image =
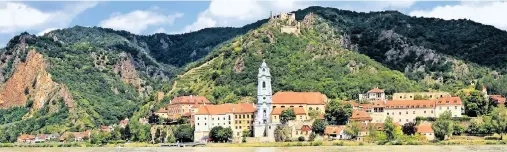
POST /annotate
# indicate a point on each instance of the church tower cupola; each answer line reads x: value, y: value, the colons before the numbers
x: 264, y: 94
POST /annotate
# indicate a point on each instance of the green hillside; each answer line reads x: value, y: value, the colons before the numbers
x: 314, y: 60
x: 443, y: 54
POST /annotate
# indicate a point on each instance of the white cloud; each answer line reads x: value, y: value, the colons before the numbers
x: 46, y: 31
x: 17, y: 16
x: 491, y: 13
x: 139, y: 20
x: 240, y: 12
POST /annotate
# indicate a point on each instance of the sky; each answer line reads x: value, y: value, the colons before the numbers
x: 175, y: 17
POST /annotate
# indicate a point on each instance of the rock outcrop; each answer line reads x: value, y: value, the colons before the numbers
x: 29, y: 81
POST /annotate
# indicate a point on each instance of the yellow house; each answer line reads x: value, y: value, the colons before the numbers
x: 302, y: 102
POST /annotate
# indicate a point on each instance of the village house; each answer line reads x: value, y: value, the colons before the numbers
x: 25, y: 138
x: 124, y: 122
x: 238, y: 117
x: 300, y: 128
x: 497, y: 99
x: 336, y: 132
x: 181, y: 106
x: 303, y: 102
x: 404, y: 111
x: 360, y: 116
x: 373, y: 95
x: 106, y: 128
x: 426, y: 130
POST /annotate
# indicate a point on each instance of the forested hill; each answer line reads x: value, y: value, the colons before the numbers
x: 444, y: 54
x: 80, y: 78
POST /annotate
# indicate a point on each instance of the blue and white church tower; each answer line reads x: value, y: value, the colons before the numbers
x: 262, y: 125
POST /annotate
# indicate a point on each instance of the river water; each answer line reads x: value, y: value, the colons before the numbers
x: 425, y: 148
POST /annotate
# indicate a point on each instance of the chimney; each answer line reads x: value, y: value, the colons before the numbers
x: 233, y: 109
x: 190, y: 96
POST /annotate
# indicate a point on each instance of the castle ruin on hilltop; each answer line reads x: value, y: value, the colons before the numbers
x: 289, y: 23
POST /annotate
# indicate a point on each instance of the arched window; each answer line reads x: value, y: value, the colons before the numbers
x: 263, y: 84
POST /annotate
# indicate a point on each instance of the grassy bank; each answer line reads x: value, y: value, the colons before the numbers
x: 355, y: 143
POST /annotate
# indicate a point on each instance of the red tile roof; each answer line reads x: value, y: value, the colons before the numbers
x: 312, y: 98
x: 376, y: 90
x: 424, y: 128
x: 297, y: 110
x: 26, y: 137
x: 497, y: 98
x: 225, y: 108
x: 124, y: 122
x: 359, y: 115
x: 190, y: 100
x: 378, y: 126
x: 449, y: 101
x: 306, y: 128
x: 334, y: 129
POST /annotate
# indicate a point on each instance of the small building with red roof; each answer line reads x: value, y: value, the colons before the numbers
x: 180, y: 106
x: 426, y: 130
x: 372, y: 95
x: 298, y: 111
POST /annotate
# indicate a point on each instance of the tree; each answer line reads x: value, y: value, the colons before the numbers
x: 153, y: 118
x: 499, y: 119
x: 372, y: 133
x: 319, y: 126
x: 125, y: 135
x: 314, y: 114
x: 301, y: 138
x: 353, y: 129
x: 337, y: 113
x: 157, y: 136
x: 389, y: 129
x: 220, y: 134
x: 443, y: 126
x: 287, y: 114
x: 246, y: 133
x: 476, y: 104
x: 458, y: 129
x: 281, y: 134
x: 409, y: 128
x: 184, y: 133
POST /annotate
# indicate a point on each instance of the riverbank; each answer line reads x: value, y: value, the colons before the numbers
x: 391, y: 148
x: 266, y: 144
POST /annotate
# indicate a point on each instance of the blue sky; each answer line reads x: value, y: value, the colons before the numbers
x: 185, y: 16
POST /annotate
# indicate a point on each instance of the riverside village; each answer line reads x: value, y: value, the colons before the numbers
x: 305, y: 117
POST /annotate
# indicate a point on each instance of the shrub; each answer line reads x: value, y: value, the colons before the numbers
x: 317, y: 143
x: 301, y: 138
x: 361, y: 144
x: 338, y: 143
x: 312, y: 136
x: 491, y: 138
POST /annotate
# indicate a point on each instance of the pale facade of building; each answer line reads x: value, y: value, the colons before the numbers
x: 238, y: 117
x: 404, y: 111
x: 428, y: 95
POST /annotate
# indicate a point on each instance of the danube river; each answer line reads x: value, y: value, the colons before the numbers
x: 425, y: 148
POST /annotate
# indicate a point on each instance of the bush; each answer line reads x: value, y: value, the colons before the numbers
x: 301, y: 138
x: 299, y: 143
x: 491, y: 138
x: 338, y: 143
x: 361, y: 144
x: 317, y: 143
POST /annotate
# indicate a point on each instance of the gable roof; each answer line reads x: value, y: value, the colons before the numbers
x: 190, y: 100
x: 225, y: 109
x: 306, y: 128
x: 334, y: 129
x: 26, y: 137
x: 424, y: 128
x: 497, y: 98
x: 359, y: 115
x: 312, y: 98
x: 376, y: 90
x: 297, y: 110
